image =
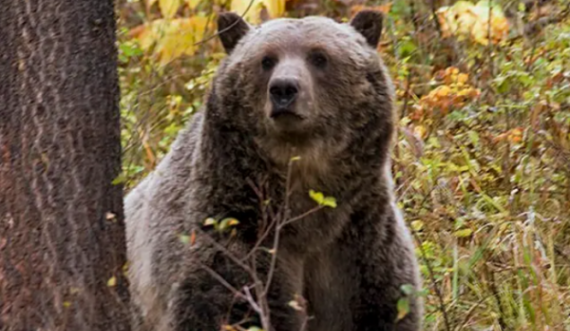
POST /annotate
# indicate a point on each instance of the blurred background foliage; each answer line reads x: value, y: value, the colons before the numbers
x: 482, y: 158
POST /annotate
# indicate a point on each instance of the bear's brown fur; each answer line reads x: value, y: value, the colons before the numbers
x: 311, y: 88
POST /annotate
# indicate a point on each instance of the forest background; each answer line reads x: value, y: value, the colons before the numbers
x: 482, y: 157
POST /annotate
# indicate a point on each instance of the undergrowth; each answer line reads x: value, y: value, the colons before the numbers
x: 481, y: 161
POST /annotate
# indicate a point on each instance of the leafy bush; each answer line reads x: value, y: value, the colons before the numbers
x: 482, y: 158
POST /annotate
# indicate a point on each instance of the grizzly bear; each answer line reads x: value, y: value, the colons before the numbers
x: 275, y: 206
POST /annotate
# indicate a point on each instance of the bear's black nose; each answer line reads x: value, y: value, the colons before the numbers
x: 283, y: 92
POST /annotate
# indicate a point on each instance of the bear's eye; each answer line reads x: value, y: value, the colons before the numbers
x: 318, y: 59
x: 268, y: 62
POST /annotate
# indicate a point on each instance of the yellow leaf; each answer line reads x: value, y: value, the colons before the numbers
x: 172, y: 38
x: 168, y: 8
x: 420, y: 131
x: 209, y: 221
x: 417, y: 225
x: 329, y: 202
x: 318, y: 197
x: 442, y: 91
x: 467, y: 19
x: 462, y: 78
x: 249, y: 9
x: 276, y: 8
x: 112, y: 281
x: 193, y: 3
x: 463, y: 233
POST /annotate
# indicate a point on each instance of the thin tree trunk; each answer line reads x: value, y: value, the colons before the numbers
x: 62, y: 242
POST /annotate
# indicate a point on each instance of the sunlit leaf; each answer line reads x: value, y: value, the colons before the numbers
x: 251, y: 9
x: 322, y: 200
x: 168, y: 8
x: 329, y: 202
x: 112, y: 281
x: 295, y: 158
x: 276, y: 8
x: 209, y: 221
x: 417, y: 225
x: 227, y: 222
x: 192, y: 4
x: 170, y: 39
x: 295, y: 305
x: 480, y: 22
x: 318, y: 197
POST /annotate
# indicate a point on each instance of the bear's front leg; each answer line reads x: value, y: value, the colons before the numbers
x: 213, y: 296
x: 384, y: 261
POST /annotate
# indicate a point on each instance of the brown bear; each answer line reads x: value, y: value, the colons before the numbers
x: 298, y: 105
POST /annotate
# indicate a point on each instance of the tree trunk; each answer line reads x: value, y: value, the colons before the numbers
x: 62, y: 245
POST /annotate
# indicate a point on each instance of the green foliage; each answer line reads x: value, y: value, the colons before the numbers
x: 481, y: 160
x: 322, y: 200
x: 221, y: 225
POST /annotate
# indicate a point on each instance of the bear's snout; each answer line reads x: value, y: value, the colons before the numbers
x: 283, y: 92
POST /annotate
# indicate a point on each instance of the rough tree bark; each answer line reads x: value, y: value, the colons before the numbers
x: 61, y: 219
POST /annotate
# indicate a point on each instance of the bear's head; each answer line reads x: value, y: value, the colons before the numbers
x: 306, y: 86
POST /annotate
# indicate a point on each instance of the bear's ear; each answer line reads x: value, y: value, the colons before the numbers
x: 231, y: 28
x: 369, y: 24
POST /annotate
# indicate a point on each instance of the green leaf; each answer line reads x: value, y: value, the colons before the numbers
x: 322, y: 200
x: 185, y: 239
x: 227, y: 222
x: 474, y: 137
x: 403, y: 308
x: 317, y: 196
x: 329, y: 202
x: 408, y: 289
x: 120, y: 179
x: 463, y: 233
x: 417, y: 225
